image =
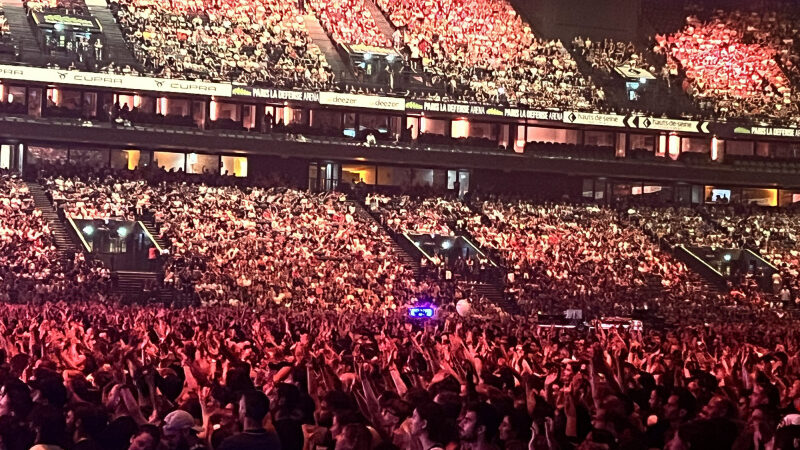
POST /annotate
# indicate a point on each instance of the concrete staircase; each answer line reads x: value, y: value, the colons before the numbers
x: 130, y: 285
x: 23, y: 31
x: 493, y: 291
x: 495, y: 294
x: 380, y: 20
x: 339, y: 66
x: 408, y: 260
x: 116, y: 48
x: 152, y: 228
x: 63, y: 239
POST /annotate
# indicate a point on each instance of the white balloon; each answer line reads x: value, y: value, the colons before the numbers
x: 463, y: 308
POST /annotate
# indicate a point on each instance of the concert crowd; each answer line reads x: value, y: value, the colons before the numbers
x: 300, y: 337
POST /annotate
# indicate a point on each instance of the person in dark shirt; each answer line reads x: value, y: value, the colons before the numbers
x: 288, y: 417
x: 253, y: 408
x: 122, y: 427
x: 88, y: 423
x: 118, y: 433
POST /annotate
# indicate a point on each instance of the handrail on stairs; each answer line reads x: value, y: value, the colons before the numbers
x: 80, y: 235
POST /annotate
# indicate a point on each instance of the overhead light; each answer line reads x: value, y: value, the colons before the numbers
x: 122, y: 232
x: 88, y: 230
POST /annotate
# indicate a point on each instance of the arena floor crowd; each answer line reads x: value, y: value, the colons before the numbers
x: 291, y: 322
x: 299, y: 336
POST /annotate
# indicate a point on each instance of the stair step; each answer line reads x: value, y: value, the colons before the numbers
x: 384, y: 26
x: 61, y: 236
x: 116, y: 49
x: 493, y: 293
x: 22, y: 30
x: 327, y: 47
x: 151, y: 228
x: 409, y: 261
x: 130, y: 284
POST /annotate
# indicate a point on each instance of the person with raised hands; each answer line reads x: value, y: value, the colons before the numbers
x: 253, y: 410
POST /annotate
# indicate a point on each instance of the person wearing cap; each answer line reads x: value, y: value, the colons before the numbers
x: 180, y: 432
x: 253, y: 408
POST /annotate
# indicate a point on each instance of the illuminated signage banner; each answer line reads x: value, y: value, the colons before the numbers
x: 533, y: 114
x: 362, y: 101
x: 453, y: 108
x: 482, y: 110
x: 67, y: 21
x: 769, y: 131
x: 134, y: 83
x: 162, y: 85
x: 361, y: 48
x: 685, y: 126
x: 275, y: 94
x: 639, y: 122
x: 605, y: 120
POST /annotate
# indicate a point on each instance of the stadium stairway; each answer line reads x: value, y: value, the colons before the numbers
x: 491, y: 253
x: 62, y: 237
x: 380, y: 20
x: 116, y: 47
x: 495, y: 294
x: 130, y: 285
x: 615, y: 93
x: 493, y: 290
x: 408, y: 260
x: 709, y: 219
x: 22, y: 30
x: 151, y: 228
x: 328, y: 48
x: 711, y: 281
